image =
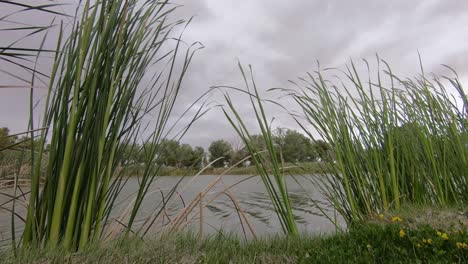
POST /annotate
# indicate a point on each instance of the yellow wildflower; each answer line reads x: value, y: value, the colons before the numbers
x: 381, y: 216
x: 443, y: 235
x: 396, y: 219
x: 402, y: 233
x: 461, y: 245
x: 418, y: 245
x: 427, y: 241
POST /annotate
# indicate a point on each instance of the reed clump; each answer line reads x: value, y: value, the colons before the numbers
x: 117, y: 66
x: 395, y: 140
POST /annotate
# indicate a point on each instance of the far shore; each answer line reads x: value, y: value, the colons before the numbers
x: 289, y: 168
x: 303, y: 168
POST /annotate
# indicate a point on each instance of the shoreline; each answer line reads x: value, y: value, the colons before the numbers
x: 305, y: 168
x: 301, y: 168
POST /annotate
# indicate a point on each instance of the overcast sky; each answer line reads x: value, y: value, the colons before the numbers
x: 283, y: 40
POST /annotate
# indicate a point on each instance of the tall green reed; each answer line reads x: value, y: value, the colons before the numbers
x: 119, y: 64
x: 267, y: 162
x: 395, y: 140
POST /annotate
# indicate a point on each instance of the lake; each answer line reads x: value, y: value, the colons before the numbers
x: 220, y: 213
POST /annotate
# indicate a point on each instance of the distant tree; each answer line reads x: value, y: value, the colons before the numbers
x: 324, y: 150
x: 12, y: 147
x: 172, y: 153
x: 296, y: 147
x: 5, y: 138
x: 239, y: 155
x: 259, y: 142
x: 25, y: 143
x: 185, y: 156
x: 237, y: 144
x: 239, y: 151
x: 130, y: 154
x: 168, y: 151
x: 279, y: 135
x: 220, y: 149
x: 199, y: 157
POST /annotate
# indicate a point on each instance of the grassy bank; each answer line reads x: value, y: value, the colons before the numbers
x: 302, y: 168
x: 370, y: 243
x: 293, y: 169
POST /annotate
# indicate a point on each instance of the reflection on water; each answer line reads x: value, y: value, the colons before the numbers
x: 221, y: 213
x: 258, y: 205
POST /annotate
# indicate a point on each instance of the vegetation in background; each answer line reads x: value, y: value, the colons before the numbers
x: 169, y: 153
x: 220, y: 149
x: 182, y: 159
x: 15, y: 155
x: 293, y: 146
x: 297, y: 168
x: 395, y: 140
x: 6, y: 139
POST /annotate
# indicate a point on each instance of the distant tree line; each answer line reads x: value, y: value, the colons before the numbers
x: 15, y: 153
x: 291, y: 145
x: 170, y: 153
x: 12, y: 146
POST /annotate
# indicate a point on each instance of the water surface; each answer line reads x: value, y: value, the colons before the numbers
x: 221, y: 213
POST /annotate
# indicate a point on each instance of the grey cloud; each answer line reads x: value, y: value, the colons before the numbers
x: 197, y: 9
x: 284, y: 39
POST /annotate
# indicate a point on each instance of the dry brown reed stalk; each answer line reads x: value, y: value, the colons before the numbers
x: 183, y: 217
x: 124, y: 215
x: 154, y: 217
x: 12, y: 182
x: 182, y: 220
x: 200, y: 202
x: 241, y: 212
x: 184, y: 212
x: 179, y: 222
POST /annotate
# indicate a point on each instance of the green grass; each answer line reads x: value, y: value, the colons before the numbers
x: 371, y: 243
x: 443, y: 218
